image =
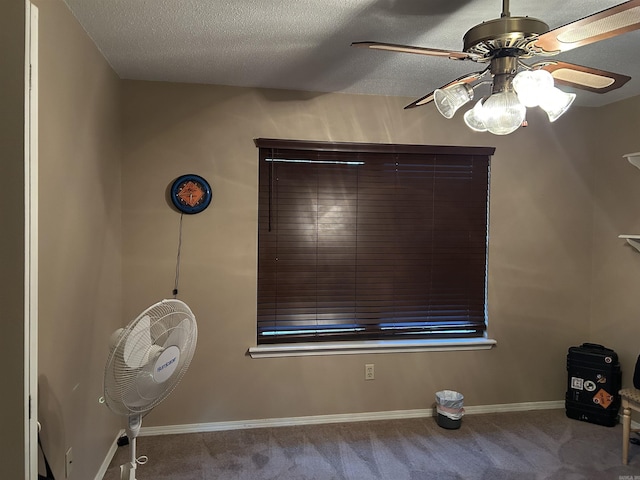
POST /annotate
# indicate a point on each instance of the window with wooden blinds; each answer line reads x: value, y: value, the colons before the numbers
x: 371, y: 242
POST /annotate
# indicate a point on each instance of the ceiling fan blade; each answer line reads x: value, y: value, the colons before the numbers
x: 467, y: 78
x: 433, y: 52
x: 608, y: 23
x: 585, y: 78
x: 421, y: 101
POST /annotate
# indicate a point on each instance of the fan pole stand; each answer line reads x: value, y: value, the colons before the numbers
x: 128, y: 470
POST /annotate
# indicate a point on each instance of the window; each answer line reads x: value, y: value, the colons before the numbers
x: 371, y: 242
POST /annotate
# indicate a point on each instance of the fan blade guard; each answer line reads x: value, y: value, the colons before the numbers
x: 150, y: 358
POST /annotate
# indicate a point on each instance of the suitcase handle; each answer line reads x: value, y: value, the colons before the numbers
x: 594, y: 345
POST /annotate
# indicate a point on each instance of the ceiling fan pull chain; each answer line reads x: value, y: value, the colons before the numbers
x: 177, y: 279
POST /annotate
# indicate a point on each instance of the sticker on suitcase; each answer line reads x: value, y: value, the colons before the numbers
x: 589, y: 386
x: 577, y: 383
x: 603, y: 398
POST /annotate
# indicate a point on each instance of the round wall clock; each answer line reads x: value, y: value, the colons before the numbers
x: 190, y: 193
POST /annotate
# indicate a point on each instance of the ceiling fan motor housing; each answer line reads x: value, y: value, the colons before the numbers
x: 503, y: 67
x: 513, y: 33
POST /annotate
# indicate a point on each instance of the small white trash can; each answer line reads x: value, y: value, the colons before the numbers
x: 449, y: 408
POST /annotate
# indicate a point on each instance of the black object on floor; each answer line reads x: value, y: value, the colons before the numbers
x: 594, y: 379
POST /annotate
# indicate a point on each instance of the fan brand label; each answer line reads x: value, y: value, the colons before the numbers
x: 166, y: 364
x: 162, y: 367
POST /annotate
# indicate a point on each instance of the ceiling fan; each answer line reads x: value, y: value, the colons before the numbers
x: 503, y: 43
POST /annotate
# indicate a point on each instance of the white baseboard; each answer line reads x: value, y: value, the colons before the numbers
x: 109, y: 457
x: 514, y: 407
x: 340, y: 418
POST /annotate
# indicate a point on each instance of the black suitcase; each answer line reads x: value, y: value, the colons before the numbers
x: 594, y: 379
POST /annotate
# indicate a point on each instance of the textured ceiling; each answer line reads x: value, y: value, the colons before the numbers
x: 305, y: 45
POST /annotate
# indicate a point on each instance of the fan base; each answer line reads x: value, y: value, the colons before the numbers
x: 128, y: 471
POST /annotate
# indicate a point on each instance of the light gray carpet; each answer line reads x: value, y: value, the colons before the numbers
x: 507, y: 446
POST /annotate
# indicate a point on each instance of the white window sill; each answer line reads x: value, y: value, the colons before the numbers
x: 369, y: 346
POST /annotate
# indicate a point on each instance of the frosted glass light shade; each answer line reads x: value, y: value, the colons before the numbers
x: 556, y: 103
x: 449, y: 100
x: 503, y: 113
x: 474, y: 118
x: 532, y: 86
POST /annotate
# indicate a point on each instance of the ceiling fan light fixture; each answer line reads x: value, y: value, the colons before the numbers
x: 448, y: 100
x: 473, y: 118
x: 503, y: 113
x: 556, y: 103
x: 532, y: 86
x: 502, y: 43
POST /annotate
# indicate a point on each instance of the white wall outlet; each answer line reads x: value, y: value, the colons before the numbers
x: 68, y: 462
x: 369, y: 372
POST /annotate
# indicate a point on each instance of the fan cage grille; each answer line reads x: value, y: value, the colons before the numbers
x: 129, y: 384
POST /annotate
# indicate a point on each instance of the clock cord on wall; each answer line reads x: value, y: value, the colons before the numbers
x: 177, y: 277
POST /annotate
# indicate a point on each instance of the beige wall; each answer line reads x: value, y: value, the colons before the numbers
x: 80, y: 239
x: 12, y: 55
x: 539, y: 276
x: 560, y: 196
x: 616, y: 265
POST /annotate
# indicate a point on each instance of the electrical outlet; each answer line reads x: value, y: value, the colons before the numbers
x: 369, y: 373
x: 68, y: 463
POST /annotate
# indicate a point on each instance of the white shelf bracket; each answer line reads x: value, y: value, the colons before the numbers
x: 633, y: 240
x: 634, y: 159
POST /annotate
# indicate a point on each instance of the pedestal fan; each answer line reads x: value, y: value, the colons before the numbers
x: 146, y: 361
